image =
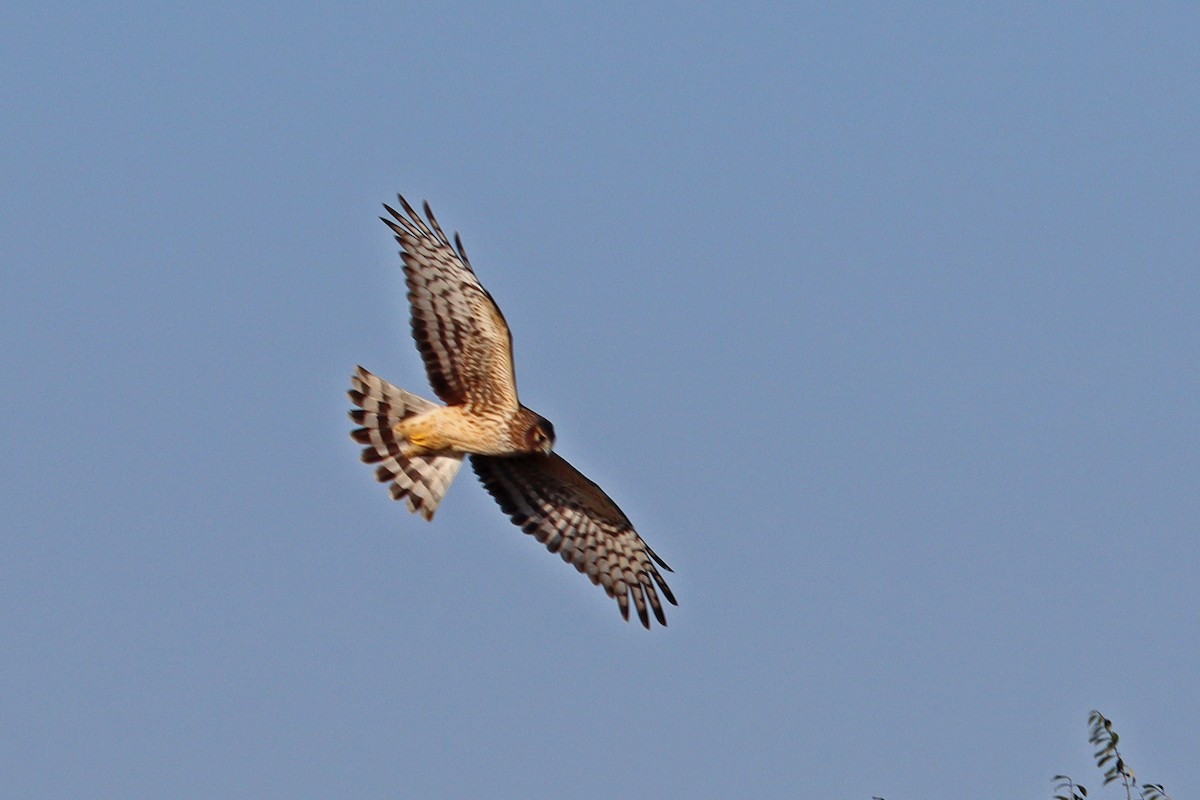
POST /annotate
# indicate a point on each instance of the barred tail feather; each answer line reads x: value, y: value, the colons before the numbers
x: 421, y: 480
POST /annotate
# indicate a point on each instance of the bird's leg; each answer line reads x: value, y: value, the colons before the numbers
x: 417, y: 439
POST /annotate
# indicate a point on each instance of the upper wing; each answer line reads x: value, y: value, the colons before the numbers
x: 457, y: 325
x: 568, y: 513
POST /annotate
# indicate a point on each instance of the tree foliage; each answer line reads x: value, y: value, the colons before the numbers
x: 1110, y: 761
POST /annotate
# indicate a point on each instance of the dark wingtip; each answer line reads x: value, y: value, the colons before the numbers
x: 396, y: 229
x: 657, y: 559
x: 644, y: 616
x: 662, y: 585
x: 406, y: 205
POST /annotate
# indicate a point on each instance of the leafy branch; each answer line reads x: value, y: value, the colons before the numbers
x: 1067, y: 789
x: 1109, y: 759
x: 1104, y: 737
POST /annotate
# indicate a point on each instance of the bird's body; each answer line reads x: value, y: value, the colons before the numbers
x: 419, y: 446
x: 462, y: 430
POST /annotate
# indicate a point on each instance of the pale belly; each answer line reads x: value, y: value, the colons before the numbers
x: 453, y: 429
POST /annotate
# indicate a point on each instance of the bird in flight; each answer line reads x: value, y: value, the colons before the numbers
x: 419, y: 445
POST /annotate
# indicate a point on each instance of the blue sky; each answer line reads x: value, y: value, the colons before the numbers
x: 880, y: 322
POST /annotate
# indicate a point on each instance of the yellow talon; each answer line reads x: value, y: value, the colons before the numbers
x: 417, y: 440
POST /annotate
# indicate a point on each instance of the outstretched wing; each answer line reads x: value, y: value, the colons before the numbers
x: 562, y: 509
x: 458, y: 327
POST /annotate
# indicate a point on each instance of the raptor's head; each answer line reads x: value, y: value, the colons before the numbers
x: 539, y: 438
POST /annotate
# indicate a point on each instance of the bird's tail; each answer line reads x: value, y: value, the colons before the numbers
x: 422, y: 480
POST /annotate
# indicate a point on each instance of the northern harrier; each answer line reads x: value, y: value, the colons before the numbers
x: 419, y: 445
